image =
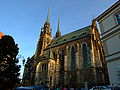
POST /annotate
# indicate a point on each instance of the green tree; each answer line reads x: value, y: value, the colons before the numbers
x: 9, y: 70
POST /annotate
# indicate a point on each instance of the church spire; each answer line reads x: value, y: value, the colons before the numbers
x: 47, y: 28
x: 45, y: 37
x: 48, y: 16
x: 58, y: 29
x: 58, y: 33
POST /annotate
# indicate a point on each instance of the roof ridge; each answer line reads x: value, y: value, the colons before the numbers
x: 72, y: 32
x: 80, y: 33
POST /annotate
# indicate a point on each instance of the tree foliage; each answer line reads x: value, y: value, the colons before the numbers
x: 9, y: 70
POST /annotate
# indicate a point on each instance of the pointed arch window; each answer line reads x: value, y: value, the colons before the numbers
x: 43, y: 67
x: 85, y: 56
x: 50, y: 80
x: 73, y: 58
x: 46, y: 66
x: 62, y: 59
x: 54, y: 55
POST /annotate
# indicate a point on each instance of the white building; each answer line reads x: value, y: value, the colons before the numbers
x: 109, y: 22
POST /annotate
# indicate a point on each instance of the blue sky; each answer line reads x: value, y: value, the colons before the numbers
x: 23, y: 19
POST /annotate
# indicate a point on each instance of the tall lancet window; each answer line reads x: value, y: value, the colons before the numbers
x: 73, y: 58
x: 62, y: 59
x: 85, y: 56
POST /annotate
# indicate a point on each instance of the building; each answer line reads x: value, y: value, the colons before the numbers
x: 69, y: 60
x: 28, y: 76
x: 109, y: 22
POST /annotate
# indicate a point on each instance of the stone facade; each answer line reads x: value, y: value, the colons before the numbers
x: 109, y: 22
x: 70, y: 60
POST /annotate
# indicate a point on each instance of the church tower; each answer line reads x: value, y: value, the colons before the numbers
x: 58, y: 33
x: 45, y: 37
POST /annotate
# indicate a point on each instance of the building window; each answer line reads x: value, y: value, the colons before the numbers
x: 54, y: 55
x: 46, y: 66
x: 117, y: 16
x: 85, y: 56
x: 62, y: 59
x: 118, y: 72
x: 50, y: 80
x: 43, y: 67
x: 73, y: 58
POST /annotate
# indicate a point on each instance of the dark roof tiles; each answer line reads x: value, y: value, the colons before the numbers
x: 71, y: 36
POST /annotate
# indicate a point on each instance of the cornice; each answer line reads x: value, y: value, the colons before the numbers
x: 112, y: 54
x: 110, y: 29
x: 111, y: 34
x: 108, y: 10
x: 113, y: 59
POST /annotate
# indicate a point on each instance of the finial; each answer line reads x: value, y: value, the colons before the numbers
x: 48, y: 15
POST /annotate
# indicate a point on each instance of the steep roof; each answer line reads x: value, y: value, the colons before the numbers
x: 70, y: 36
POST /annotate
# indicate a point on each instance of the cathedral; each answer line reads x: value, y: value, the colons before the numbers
x: 69, y: 60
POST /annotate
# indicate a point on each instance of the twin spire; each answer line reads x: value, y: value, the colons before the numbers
x: 46, y: 36
x: 48, y: 16
x: 58, y: 33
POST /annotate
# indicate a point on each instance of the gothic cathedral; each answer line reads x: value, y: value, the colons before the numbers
x: 67, y: 60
